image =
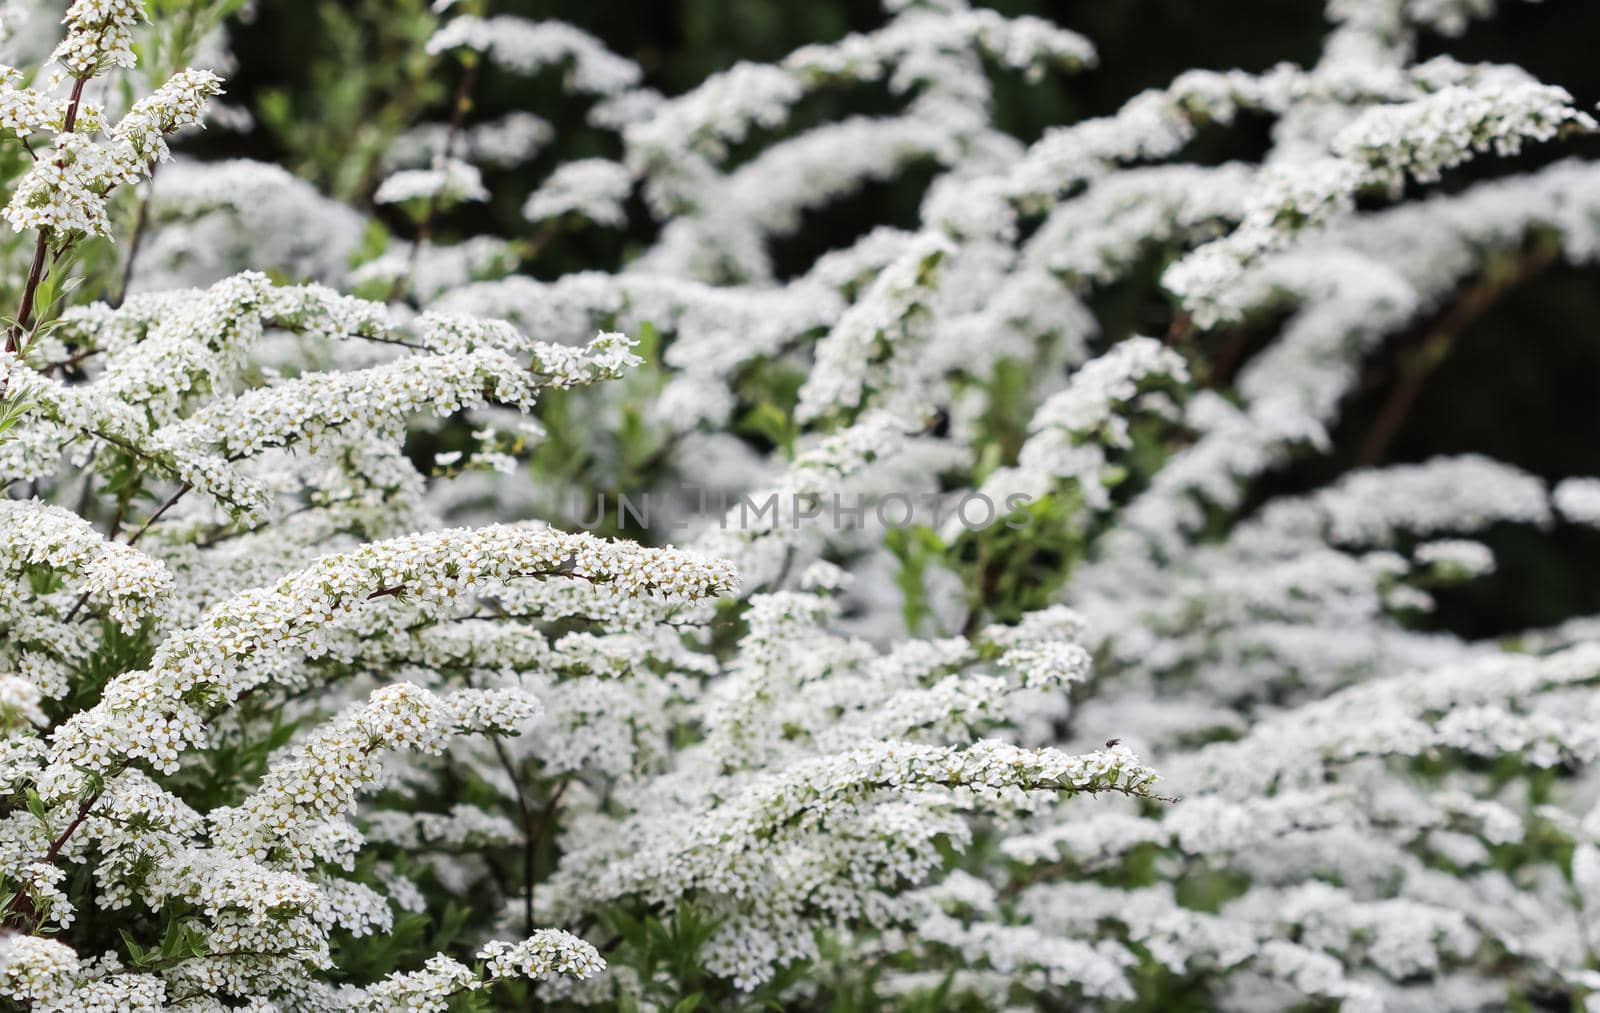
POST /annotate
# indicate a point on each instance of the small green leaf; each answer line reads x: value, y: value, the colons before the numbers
x: 135, y: 951
x: 36, y: 807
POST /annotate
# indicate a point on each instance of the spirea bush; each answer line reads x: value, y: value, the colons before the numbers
x: 391, y: 622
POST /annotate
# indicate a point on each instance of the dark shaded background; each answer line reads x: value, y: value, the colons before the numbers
x: 1519, y: 385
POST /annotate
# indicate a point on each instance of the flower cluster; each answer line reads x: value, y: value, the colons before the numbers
x: 99, y: 35
x: 66, y: 190
x: 591, y: 187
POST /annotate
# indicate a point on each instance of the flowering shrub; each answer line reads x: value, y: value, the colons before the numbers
x: 315, y: 694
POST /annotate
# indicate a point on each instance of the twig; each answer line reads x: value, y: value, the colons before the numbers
x: 1182, y: 324
x: 546, y: 817
x: 24, y: 900
x: 140, y: 227
x: 458, y: 117
x: 527, y: 833
x: 87, y: 491
x: 41, y: 249
x: 1435, y: 347
x: 116, y: 523
x: 163, y: 508
x: 72, y: 360
x: 1227, y: 359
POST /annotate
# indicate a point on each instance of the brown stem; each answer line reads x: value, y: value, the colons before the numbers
x: 84, y: 809
x: 140, y: 227
x: 71, y: 120
x: 163, y: 508
x: 1182, y: 325
x: 73, y: 359
x: 30, y: 288
x: 1417, y: 366
x: 24, y: 902
x: 458, y: 117
x: 111, y: 536
x: 41, y: 250
x: 1229, y: 354
x: 546, y: 818
x: 87, y: 492
x: 528, y: 832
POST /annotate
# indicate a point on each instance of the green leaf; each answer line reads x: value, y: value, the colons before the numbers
x: 36, y: 807
x: 135, y: 951
x: 768, y: 420
x: 11, y: 411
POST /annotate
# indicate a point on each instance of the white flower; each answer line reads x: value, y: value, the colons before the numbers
x: 591, y: 187
x: 454, y: 181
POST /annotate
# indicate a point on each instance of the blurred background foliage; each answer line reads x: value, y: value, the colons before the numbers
x: 331, y: 83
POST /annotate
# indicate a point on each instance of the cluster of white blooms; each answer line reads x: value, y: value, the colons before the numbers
x: 294, y: 816
x: 1456, y: 556
x: 547, y: 953
x: 65, y: 191
x: 285, y: 820
x: 1073, y: 429
x: 462, y: 826
x: 873, y: 356
x: 217, y: 219
x: 932, y: 56
x: 25, y: 110
x: 512, y: 140
x: 153, y: 714
x: 434, y: 270
x: 1382, y: 148
x: 1578, y: 499
x: 451, y: 182
x: 591, y: 187
x: 99, y: 35
x: 835, y: 833
x: 528, y: 46
x: 59, y: 543
x: 151, y: 400
x: 182, y: 392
